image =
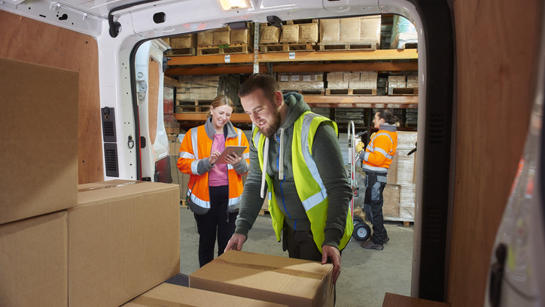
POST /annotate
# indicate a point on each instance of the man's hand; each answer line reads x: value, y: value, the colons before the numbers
x: 236, y: 242
x: 335, y: 256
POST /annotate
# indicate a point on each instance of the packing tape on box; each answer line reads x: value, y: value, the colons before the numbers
x: 107, y: 186
x: 261, y: 267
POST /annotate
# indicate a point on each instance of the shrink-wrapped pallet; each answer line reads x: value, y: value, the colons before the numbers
x: 269, y: 34
x: 290, y: 34
x: 308, y: 32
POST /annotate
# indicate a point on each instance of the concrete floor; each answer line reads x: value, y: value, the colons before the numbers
x: 366, y: 275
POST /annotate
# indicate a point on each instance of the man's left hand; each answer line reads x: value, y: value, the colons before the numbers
x: 332, y: 253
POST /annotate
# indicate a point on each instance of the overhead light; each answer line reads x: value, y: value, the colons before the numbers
x: 234, y: 4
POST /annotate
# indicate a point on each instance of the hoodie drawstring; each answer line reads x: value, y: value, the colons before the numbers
x: 264, y: 170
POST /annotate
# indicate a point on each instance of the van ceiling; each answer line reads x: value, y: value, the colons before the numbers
x: 102, y: 7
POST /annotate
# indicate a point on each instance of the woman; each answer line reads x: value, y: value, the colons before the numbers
x: 214, y: 188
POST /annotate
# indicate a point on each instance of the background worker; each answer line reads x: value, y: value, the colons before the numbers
x: 214, y: 189
x: 376, y: 160
x: 295, y: 156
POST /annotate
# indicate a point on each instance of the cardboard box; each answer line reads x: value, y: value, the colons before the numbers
x: 370, y: 29
x: 124, y: 239
x: 240, y: 36
x: 336, y: 80
x: 412, y: 81
x: 33, y: 261
x: 391, y: 196
x: 205, y: 38
x: 350, y: 30
x: 308, y: 32
x: 174, y: 295
x: 330, y: 30
x: 39, y: 136
x: 269, y: 35
x: 293, y: 282
x: 290, y: 34
x: 221, y: 37
x: 184, y: 41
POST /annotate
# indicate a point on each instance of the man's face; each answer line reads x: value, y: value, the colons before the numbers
x: 263, y: 112
x: 377, y: 121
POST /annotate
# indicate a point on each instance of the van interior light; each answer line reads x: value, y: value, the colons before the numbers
x: 234, y: 4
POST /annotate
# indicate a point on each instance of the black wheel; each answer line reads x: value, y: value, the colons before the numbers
x: 362, y: 232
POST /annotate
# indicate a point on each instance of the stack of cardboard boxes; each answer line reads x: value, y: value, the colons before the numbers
x: 106, y: 243
x: 97, y: 244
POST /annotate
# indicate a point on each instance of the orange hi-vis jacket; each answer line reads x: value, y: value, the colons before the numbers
x: 381, y: 149
x: 195, y: 148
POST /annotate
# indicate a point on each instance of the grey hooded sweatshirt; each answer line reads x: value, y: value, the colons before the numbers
x: 327, y: 155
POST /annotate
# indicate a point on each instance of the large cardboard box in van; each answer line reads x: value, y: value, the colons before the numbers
x: 282, y: 280
x: 39, y: 137
x: 124, y: 239
x: 174, y: 295
x: 33, y: 261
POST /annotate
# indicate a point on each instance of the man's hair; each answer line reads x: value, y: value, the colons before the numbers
x: 387, y: 115
x: 259, y: 81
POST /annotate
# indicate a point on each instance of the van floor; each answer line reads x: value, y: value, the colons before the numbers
x: 366, y: 275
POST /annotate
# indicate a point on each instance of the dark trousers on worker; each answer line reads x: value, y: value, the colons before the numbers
x: 375, y: 184
x: 217, y: 222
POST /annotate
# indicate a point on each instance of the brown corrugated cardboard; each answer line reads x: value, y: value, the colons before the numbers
x: 269, y: 34
x: 293, y: 282
x: 330, y: 30
x: 221, y: 37
x: 308, y: 32
x: 205, y: 38
x: 240, y: 36
x: 184, y: 41
x: 173, y: 295
x: 391, y: 200
x: 39, y: 135
x: 290, y: 34
x: 33, y: 261
x: 124, y: 239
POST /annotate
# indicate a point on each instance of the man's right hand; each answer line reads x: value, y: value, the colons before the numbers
x: 236, y: 242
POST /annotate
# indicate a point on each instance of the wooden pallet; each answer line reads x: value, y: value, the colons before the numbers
x: 403, y: 91
x: 350, y: 92
x: 347, y: 46
x: 300, y: 21
x: 208, y: 50
x: 182, y: 52
x: 286, y: 47
x: 305, y: 92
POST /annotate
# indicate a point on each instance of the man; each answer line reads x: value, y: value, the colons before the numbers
x: 304, y: 175
x: 376, y: 160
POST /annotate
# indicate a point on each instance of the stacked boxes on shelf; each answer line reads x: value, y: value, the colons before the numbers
x: 350, y: 33
x: 97, y: 244
x: 196, y: 91
x: 403, y: 84
x: 359, y: 80
x: 296, y: 35
x: 224, y: 40
x: 183, y: 44
x: 304, y: 82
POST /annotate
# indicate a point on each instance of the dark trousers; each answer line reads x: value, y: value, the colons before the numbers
x: 216, y: 222
x: 375, y: 183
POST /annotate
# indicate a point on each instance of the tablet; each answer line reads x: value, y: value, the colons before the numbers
x: 239, y: 150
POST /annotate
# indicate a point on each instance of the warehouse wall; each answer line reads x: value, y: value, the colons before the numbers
x: 31, y: 41
x: 497, y: 48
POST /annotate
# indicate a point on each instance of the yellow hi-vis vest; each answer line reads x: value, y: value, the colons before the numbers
x: 309, y: 184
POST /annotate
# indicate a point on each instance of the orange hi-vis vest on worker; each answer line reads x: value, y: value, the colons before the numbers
x: 197, y: 145
x: 381, y: 149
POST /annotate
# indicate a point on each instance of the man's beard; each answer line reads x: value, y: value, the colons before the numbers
x: 273, y: 126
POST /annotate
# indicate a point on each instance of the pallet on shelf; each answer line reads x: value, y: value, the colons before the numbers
x: 305, y: 92
x: 403, y: 91
x: 227, y: 49
x: 350, y: 91
x: 347, y: 46
x: 182, y: 51
x: 286, y: 47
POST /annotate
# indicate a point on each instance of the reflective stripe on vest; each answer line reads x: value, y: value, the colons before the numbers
x: 197, y: 201
x: 372, y: 143
x: 186, y: 155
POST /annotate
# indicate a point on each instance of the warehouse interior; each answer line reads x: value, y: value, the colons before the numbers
x: 81, y: 226
x: 351, y: 77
